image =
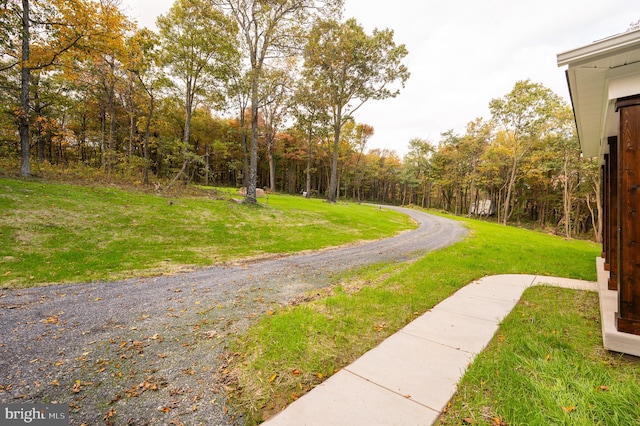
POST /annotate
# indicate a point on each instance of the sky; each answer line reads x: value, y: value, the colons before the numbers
x: 463, y: 53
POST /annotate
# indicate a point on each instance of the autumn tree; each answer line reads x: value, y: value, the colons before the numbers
x: 348, y: 68
x: 525, y: 114
x: 276, y: 91
x: 591, y: 188
x: 418, y: 163
x: 566, y: 148
x: 238, y: 89
x: 270, y: 29
x: 199, y: 49
x: 38, y: 35
x: 363, y: 132
x: 312, y: 119
x: 143, y: 60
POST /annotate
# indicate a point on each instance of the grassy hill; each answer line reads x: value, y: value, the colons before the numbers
x: 53, y: 232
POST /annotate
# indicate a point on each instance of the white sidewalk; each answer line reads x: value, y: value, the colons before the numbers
x: 410, y: 377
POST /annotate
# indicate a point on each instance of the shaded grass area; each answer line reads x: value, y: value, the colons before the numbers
x: 546, y: 365
x: 286, y: 354
x: 53, y: 232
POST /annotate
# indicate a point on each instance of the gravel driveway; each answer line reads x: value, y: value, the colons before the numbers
x: 147, y: 351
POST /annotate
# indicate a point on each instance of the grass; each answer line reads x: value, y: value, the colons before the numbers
x: 288, y: 353
x: 546, y: 365
x: 54, y: 232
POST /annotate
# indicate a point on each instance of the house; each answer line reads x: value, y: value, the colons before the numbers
x: 604, y: 84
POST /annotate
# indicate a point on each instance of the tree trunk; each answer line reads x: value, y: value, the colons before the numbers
x: 272, y: 164
x: 308, y: 171
x: 333, y: 182
x: 175, y: 179
x: 512, y: 180
x: 146, y: 138
x: 598, y: 231
x: 245, y: 152
x: 567, y: 204
x: 25, y: 80
x: 253, y: 157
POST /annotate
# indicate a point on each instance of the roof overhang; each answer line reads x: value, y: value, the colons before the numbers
x: 598, y: 74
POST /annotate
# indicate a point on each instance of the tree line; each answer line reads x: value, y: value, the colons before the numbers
x: 262, y: 94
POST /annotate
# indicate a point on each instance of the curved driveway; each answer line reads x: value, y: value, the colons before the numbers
x: 146, y: 351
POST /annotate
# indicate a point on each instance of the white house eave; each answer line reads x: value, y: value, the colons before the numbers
x: 597, y: 75
x: 600, y: 50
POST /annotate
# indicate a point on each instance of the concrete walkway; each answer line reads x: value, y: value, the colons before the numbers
x: 410, y: 377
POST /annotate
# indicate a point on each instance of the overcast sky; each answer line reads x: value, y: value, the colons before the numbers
x: 463, y: 53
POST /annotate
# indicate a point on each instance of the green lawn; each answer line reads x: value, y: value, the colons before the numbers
x: 53, y: 232
x: 546, y: 366
x: 288, y: 353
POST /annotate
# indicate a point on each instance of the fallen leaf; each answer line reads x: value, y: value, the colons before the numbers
x: 548, y: 357
x: 54, y: 319
x: 468, y: 421
x: 109, y: 414
x: 176, y: 391
x: 77, y: 386
x: 497, y: 421
x: 380, y: 327
x: 273, y: 377
x: 295, y: 372
x: 603, y: 388
x: 569, y: 409
x: 320, y: 376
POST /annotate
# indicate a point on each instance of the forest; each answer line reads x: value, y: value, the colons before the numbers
x: 262, y: 94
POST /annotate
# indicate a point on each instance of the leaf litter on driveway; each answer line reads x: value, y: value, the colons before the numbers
x: 149, y: 351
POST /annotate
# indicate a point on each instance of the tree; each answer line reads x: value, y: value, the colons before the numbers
x: 143, y: 59
x: 347, y: 67
x: 363, y: 133
x: 525, y: 114
x: 46, y: 30
x: 276, y: 90
x: 564, y: 142
x: 418, y: 161
x: 199, y: 48
x: 270, y: 29
x: 311, y: 118
x: 592, y: 188
x: 239, y: 90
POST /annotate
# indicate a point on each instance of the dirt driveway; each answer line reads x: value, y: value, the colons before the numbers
x: 147, y: 351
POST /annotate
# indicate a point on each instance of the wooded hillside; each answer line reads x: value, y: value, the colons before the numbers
x: 260, y: 94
